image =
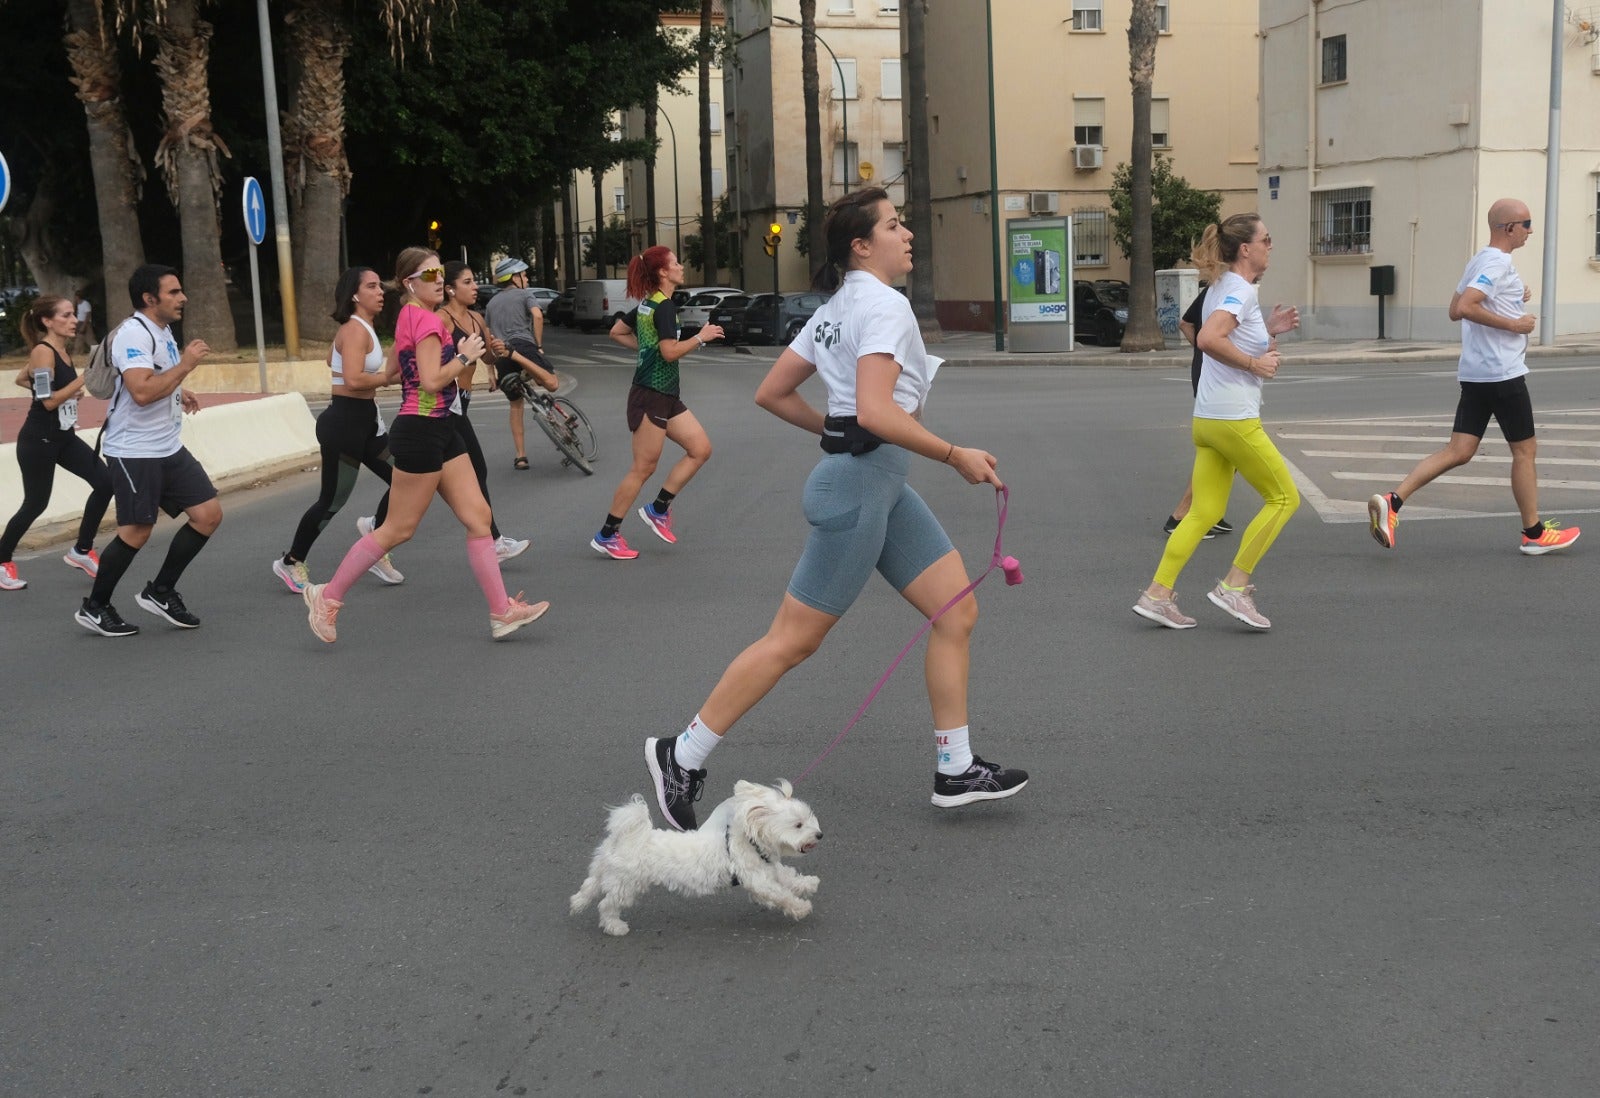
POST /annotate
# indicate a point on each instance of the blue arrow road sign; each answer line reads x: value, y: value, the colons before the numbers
x: 255, y: 210
x: 5, y: 181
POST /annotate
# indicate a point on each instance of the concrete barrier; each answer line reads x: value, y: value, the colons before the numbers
x: 237, y: 443
x: 310, y: 377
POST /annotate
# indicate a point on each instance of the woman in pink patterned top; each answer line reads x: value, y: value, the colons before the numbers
x: 429, y: 458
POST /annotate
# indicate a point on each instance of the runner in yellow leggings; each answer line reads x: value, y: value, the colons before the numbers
x: 1240, y: 353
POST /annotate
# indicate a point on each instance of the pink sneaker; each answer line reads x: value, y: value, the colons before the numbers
x: 1239, y: 604
x: 614, y: 547
x: 1163, y: 612
x: 661, y: 524
x: 1553, y: 538
x: 516, y: 615
x: 87, y: 563
x: 323, y: 613
x: 8, y: 577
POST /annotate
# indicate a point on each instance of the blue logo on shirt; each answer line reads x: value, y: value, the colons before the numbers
x: 134, y: 352
x: 1485, y: 280
x: 1231, y: 300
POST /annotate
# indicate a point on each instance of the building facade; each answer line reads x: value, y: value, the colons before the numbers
x: 1390, y: 126
x: 1063, y: 110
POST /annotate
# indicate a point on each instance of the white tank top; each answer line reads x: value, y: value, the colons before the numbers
x: 369, y: 365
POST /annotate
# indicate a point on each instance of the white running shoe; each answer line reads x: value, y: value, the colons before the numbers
x: 385, y: 570
x: 294, y: 576
x: 87, y: 563
x: 1163, y: 612
x: 365, y: 525
x: 9, y: 580
x: 507, y: 547
x: 1240, y: 604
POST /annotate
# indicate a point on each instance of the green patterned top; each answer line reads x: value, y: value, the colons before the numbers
x: 655, y: 319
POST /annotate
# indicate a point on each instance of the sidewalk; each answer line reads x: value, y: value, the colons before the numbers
x: 977, y: 349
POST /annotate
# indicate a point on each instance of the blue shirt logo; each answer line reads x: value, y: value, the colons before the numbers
x: 1485, y: 280
x: 134, y: 352
x: 1231, y: 300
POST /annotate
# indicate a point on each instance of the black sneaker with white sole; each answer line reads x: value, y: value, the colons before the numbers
x: 676, y: 788
x: 103, y: 620
x: 982, y: 781
x: 169, y: 606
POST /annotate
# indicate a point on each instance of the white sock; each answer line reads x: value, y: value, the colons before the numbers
x: 952, y: 751
x: 694, y: 744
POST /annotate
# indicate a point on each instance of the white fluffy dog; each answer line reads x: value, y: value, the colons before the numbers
x: 740, y: 843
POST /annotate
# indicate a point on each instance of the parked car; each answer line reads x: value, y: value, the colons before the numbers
x: 559, y: 311
x: 543, y: 296
x: 728, y: 314
x: 773, y: 318
x: 681, y: 296
x: 1100, y: 310
x: 695, y: 313
x: 600, y: 303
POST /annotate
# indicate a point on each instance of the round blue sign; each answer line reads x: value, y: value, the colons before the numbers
x: 255, y: 210
x: 5, y: 181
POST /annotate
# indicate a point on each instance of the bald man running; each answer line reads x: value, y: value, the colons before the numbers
x: 1493, y: 374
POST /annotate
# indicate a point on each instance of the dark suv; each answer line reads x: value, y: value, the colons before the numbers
x: 772, y: 318
x: 1100, y: 310
x: 728, y: 314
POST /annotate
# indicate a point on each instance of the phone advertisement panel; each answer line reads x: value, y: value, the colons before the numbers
x: 1038, y: 270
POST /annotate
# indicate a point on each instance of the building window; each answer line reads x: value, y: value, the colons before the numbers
x: 840, y: 167
x: 619, y: 201
x: 1091, y: 237
x: 1333, y: 59
x: 715, y: 117
x: 1163, y: 16
x: 1087, y: 15
x: 892, y: 167
x: 1341, y: 221
x: 1596, y: 252
x: 1089, y: 122
x: 888, y: 7
x: 844, y: 78
x: 716, y: 183
x: 890, y: 69
x: 1160, y: 123
x: 841, y: 7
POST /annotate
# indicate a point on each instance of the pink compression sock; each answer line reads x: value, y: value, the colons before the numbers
x: 486, y: 567
x: 362, y: 555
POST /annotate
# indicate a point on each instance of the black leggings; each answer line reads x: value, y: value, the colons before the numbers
x: 38, y: 453
x: 348, y: 434
x: 480, y: 465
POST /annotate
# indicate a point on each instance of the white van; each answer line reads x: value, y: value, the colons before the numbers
x: 601, y: 302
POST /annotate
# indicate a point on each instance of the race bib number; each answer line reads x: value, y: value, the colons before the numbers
x: 67, y: 414
x: 177, y: 406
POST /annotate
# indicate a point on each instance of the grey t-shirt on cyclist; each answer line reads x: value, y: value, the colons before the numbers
x: 509, y: 314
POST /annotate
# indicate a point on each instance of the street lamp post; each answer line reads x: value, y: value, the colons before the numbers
x: 844, y: 94
x: 677, y: 217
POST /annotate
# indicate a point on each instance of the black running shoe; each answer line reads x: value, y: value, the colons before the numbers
x: 676, y: 788
x: 169, y: 606
x: 1223, y: 526
x: 982, y: 782
x: 103, y: 620
x: 1172, y: 524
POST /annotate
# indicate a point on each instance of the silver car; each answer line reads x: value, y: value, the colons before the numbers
x: 695, y: 313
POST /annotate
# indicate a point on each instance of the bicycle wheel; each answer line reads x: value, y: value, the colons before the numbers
x: 553, y: 422
x: 578, y: 424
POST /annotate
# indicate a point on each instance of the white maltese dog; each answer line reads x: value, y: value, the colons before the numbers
x: 740, y: 843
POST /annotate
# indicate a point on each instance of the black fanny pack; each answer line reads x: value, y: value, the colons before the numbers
x: 843, y: 435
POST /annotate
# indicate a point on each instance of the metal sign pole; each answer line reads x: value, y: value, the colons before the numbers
x: 255, y: 295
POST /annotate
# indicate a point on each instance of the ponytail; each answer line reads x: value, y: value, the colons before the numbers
x: 33, y: 320
x: 849, y: 219
x: 644, y: 271
x: 1219, y: 245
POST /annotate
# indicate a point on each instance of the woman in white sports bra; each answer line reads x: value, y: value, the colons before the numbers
x: 351, y: 431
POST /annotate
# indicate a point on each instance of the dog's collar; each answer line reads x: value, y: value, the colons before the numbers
x: 727, y: 838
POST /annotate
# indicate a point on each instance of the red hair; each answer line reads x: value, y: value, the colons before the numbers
x: 644, y: 271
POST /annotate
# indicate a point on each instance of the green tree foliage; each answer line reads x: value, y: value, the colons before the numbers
x: 1178, y: 216
x: 613, y: 246
x: 694, y: 252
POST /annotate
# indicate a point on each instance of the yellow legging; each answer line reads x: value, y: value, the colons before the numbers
x: 1221, y: 448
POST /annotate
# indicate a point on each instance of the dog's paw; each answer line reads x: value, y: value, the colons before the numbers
x: 614, y: 927
x: 807, y: 886
x: 578, y: 902
x: 796, y: 909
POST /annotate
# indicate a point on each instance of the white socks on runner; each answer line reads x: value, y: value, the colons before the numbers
x: 694, y: 744
x: 952, y: 751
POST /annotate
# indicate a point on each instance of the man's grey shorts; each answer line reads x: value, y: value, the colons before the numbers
x: 864, y: 517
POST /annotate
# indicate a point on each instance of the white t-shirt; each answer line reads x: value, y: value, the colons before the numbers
x: 154, y: 430
x: 85, y: 310
x: 866, y: 317
x: 1493, y: 354
x: 1224, y: 392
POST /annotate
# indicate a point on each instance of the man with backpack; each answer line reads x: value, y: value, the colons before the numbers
x: 150, y: 469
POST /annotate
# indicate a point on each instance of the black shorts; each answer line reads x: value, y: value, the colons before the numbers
x: 144, y: 487
x: 529, y: 350
x: 422, y: 444
x: 1507, y: 401
x: 659, y: 407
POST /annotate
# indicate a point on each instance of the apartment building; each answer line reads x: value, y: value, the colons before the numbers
x: 1388, y: 128
x: 860, y: 101
x: 1063, y: 112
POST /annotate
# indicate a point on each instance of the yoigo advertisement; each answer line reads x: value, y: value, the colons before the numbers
x: 1038, y: 270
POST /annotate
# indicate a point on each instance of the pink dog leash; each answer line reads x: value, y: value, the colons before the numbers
x: 998, y: 559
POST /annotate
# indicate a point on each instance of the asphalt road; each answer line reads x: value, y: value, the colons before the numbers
x: 1351, y: 856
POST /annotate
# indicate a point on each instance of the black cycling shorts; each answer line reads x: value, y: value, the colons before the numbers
x: 422, y: 444
x: 1507, y: 402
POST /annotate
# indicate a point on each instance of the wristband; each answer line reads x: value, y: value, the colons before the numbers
x: 946, y: 459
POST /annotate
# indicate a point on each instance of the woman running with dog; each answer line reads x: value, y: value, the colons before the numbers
x: 655, y: 410
x: 49, y: 438
x: 350, y: 431
x: 1240, y: 347
x: 429, y: 456
x: 865, y: 346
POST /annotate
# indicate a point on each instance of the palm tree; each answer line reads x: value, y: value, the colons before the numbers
x: 708, y: 211
x: 118, y: 173
x: 816, y: 243
x: 1144, y: 331
x: 921, y: 183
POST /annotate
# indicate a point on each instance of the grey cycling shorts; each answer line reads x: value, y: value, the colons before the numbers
x: 864, y: 517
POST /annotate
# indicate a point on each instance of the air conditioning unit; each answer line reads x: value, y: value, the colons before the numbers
x: 1088, y: 158
x: 1044, y: 202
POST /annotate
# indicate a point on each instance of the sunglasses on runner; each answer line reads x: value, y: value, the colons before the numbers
x: 428, y: 274
x: 1526, y: 224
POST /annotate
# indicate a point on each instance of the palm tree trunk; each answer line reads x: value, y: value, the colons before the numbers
x: 599, y: 223
x: 570, y: 257
x: 816, y: 243
x: 1144, y: 331
x: 923, y: 303
x: 187, y: 157
x: 118, y: 173
x: 547, y: 244
x: 708, y: 211
x: 317, y: 172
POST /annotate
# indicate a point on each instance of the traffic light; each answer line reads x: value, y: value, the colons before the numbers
x: 773, y: 238
x: 433, y: 234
